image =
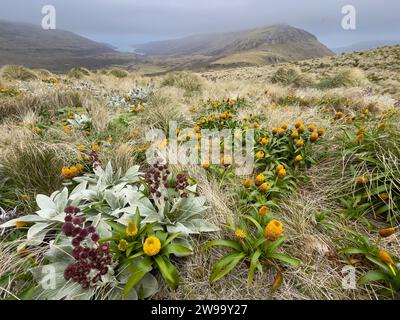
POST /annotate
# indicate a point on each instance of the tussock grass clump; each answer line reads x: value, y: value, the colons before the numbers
x: 119, y: 73
x: 292, y: 76
x: 14, y: 72
x: 368, y: 172
x: 78, y: 73
x: 350, y: 77
x: 189, y: 82
x: 34, y: 167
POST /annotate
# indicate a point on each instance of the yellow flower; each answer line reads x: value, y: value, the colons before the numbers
x: 240, y: 234
x: 255, y: 124
x: 196, y: 129
x: 281, y: 132
x: 263, y: 211
x: 273, y: 230
x: 264, y: 141
x: 81, y: 147
x: 384, y: 196
x: 282, y: 173
x: 338, y: 115
x: 279, y: 167
x: 264, y: 187
x: 74, y: 171
x: 385, y: 257
x: 295, y: 134
x: 21, y: 124
x: 178, y: 131
x: 131, y: 230
x: 110, y: 139
x: 66, y: 172
x: 284, y: 126
x: 206, y: 165
x: 321, y: 132
x: 80, y: 167
x: 298, y: 124
x: 301, y: 129
x: 362, y: 180
x: 260, y: 154
x: 152, y: 246
x: 20, y: 224
x: 387, y: 232
x: 123, y: 245
x: 96, y: 147
x: 298, y: 158
x: 311, y: 127
x: 299, y: 143
x: 314, y: 136
x: 247, y: 183
x: 274, y: 130
x: 260, y: 179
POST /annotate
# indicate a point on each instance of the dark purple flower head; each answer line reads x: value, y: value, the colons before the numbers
x: 72, y: 210
x: 68, y: 229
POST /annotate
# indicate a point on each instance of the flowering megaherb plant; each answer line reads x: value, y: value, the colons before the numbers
x: 110, y: 234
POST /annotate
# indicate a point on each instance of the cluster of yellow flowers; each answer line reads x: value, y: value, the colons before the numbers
x: 72, y: 172
x: 139, y: 108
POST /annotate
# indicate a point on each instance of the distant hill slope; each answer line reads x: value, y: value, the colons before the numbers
x: 56, y: 50
x: 278, y: 43
x: 366, y: 45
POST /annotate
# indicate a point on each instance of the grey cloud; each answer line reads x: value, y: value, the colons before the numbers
x: 137, y: 21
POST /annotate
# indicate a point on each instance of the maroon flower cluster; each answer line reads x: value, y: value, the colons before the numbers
x: 92, y: 260
x: 181, y: 184
x: 155, y: 175
x: 158, y: 173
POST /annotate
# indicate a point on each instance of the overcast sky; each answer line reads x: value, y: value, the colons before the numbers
x: 125, y: 22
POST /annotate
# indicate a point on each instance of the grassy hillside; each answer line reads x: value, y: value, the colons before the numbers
x: 56, y: 50
x: 274, y: 44
x: 323, y: 194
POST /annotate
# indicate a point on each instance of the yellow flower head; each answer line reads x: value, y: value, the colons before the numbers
x: 131, y: 230
x: 255, y: 124
x: 123, y: 245
x: 260, y: 179
x: 321, y: 132
x: 81, y: 147
x: 301, y: 129
x: 384, y: 196
x: 279, y: 167
x: 80, y: 167
x: 311, y: 127
x: 74, y: 171
x: 295, y: 134
x: 110, y: 139
x: 264, y: 141
x: 260, y: 154
x: 273, y: 230
x: 66, y: 172
x: 240, y: 234
x: 362, y: 180
x: 385, y: 257
x: 298, y: 158
x: 281, y: 132
x: 299, y: 143
x: 274, y: 130
x: 282, y: 173
x: 338, y: 115
x: 205, y: 165
x: 263, y: 211
x: 298, y: 124
x: 264, y: 187
x: 284, y: 126
x: 314, y: 136
x: 387, y: 232
x: 247, y: 183
x: 152, y: 246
